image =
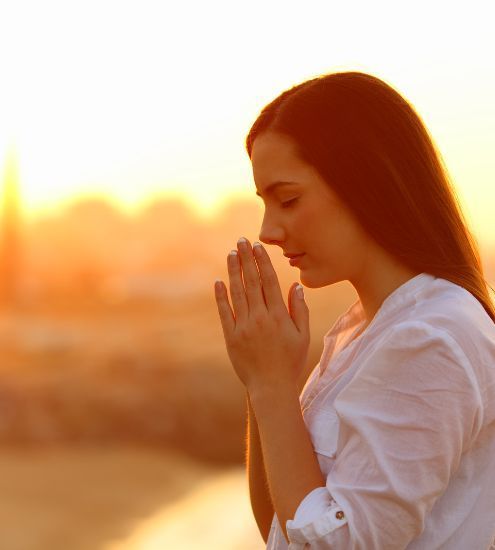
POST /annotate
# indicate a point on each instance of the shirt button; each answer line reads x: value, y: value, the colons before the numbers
x: 339, y: 514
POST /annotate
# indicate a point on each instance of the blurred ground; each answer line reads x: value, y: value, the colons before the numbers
x: 121, y: 498
x: 155, y: 373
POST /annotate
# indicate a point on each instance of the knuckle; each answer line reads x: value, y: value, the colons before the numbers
x: 236, y: 291
x: 279, y: 316
x: 251, y: 279
x: 242, y: 335
x: 258, y: 318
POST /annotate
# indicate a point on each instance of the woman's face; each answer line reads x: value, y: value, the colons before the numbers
x: 315, y: 222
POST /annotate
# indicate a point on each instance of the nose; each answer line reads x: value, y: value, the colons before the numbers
x: 271, y: 233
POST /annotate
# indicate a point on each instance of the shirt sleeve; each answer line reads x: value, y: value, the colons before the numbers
x: 410, y: 411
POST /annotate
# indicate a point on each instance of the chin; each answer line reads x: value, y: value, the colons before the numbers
x: 316, y: 282
x: 310, y: 282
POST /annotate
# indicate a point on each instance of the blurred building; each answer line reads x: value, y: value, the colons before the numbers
x: 10, y: 233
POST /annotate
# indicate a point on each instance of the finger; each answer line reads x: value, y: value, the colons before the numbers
x: 237, y: 292
x: 224, y: 310
x: 291, y: 298
x: 251, y: 276
x: 269, y: 279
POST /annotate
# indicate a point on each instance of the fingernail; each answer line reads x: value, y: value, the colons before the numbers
x: 257, y: 247
x: 300, y: 291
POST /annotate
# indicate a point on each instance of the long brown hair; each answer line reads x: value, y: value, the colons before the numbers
x: 371, y: 146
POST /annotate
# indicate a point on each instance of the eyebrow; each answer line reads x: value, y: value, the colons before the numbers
x: 270, y: 188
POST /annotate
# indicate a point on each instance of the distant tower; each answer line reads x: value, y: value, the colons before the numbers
x: 10, y: 233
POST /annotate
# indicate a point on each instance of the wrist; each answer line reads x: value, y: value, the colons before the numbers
x: 271, y: 394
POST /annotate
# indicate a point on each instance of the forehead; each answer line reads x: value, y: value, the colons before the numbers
x: 270, y: 146
x: 274, y: 159
x: 277, y: 165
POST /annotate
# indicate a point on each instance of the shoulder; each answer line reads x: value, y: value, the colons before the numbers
x: 412, y: 347
x: 448, y: 305
x: 451, y: 316
x: 444, y: 336
x: 418, y: 372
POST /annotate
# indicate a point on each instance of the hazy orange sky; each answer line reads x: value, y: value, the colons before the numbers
x: 130, y: 100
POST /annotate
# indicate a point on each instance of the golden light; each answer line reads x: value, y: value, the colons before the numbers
x: 129, y: 101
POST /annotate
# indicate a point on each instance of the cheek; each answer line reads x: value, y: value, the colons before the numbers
x: 319, y: 222
x: 305, y: 228
x: 330, y: 229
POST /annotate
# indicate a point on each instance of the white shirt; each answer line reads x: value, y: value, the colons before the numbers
x: 402, y: 421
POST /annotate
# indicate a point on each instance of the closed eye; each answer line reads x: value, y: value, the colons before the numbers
x: 287, y: 204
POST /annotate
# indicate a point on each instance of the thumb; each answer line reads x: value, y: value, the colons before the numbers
x: 298, y: 308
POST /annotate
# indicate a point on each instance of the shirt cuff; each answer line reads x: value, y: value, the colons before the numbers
x: 317, y: 515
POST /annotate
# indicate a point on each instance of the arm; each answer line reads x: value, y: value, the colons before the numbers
x: 261, y: 502
x: 291, y: 465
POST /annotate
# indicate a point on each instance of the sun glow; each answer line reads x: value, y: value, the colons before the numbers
x: 131, y: 101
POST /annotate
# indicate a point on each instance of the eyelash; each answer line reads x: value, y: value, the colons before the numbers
x: 287, y: 204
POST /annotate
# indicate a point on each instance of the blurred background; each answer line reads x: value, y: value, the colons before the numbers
x: 124, y: 184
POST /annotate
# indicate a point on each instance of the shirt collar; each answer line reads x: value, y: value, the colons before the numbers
x: 402, y: 296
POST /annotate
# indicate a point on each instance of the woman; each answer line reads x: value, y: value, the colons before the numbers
x: 391, y: 443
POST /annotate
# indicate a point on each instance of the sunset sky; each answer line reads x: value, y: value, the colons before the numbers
x: 132, y: 100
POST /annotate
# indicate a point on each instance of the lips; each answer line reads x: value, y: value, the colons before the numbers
x: 292, y: 255
x: 295, y: 259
